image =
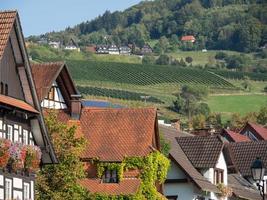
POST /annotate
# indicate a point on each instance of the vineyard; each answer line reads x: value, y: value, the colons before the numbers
x: 118, y: 94
x: 143, y: 75
x: 241, y: 75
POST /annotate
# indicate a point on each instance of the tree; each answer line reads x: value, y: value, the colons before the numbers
x: 60, y: 181
x: 148, y: 60
x: 199, y: 121
x: 262, y: 116
x: 203, y: 109
x: 178, y: 104
x: 189, y: 59
x: 246, y: 83
x: 163, y: 60
x: 265, y: 89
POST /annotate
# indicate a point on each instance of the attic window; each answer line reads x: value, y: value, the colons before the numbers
x: 218, y: 176
x: 110, y: 176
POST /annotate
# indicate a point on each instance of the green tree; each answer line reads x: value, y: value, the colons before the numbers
x: 148, y: 60
x: 189, y: 59
x: 60, y: 181
x: 163, y: 60
x: 199, y: 121
x: 262, y: 116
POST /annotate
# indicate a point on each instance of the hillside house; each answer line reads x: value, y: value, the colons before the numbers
x: 125, y: 50
x: 126, y: 132
x: 55, y: 45
x: 21, y: 123
x: 72, y: 45
x: 146, y: 49
x: 254, y: 131
x: 102, y: 49
x: 91, y: 48
x: 113, y: 50
x: 188, y: 38
x: 232, y: 136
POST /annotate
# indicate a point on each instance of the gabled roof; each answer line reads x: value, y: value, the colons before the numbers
x: 113, y: 134
x: 172, y: 131
x: 260, y: 130
x: 234, y: 137
x: 176, y: 153
x: 188, y: 38
x: 242, y: 188
x: 16, y: 103
x: 125, y: 187
x: 245, y: 153
x: 7, y: 19
x: 44, y: 74
x: 202, y: 151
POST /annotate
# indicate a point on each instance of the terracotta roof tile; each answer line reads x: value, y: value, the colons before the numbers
x: 235, y: 137
x: 202, y: 151
x: 188, y: 38
x: 245, y: 153
x: 242, y: 188
x: 259, y: 129
x: 17, y: 103
x: 126, y: 186
x: 44, y: 75
x: 181, y: 159
x: 7, y: 19
x: 113, y: 134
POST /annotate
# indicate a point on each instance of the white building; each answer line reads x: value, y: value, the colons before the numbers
x: 55, y: 45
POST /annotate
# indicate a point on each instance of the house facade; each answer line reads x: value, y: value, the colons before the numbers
x: 254, y: 132
x: 22, y: 128
x: 72, y: 45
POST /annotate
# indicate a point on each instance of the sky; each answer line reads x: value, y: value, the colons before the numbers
x: 41, y: 16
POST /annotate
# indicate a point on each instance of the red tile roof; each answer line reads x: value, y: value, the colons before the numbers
x: 17, y: 103
x: 115, y: 133
x: 126, y: 186
x: 261, y: 131
x: 188, y: 38
x: 236, y: 137
x: 7, y: 19
x: 202, y: 151
x: 44, y: 75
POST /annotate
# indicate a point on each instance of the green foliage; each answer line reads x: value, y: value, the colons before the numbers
x: 199, y: 121
x: 163, y: 60
x: 262, y: 116
x: 148, y: 60
x: 189, y: 59
x: 165, y: 145
x: 60, y: 181
x: 101, y: 167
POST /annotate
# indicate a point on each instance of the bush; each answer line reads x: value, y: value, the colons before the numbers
x: 148, y: 60
x: 220, y: 56
x: 189, y: 59
x: 163, y: 60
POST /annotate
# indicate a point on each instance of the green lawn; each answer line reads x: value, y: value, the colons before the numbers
x: 228, y: 104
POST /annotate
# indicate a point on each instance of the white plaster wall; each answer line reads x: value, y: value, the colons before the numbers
x: 17, y: 183
x: 1, y: 180
x: 32, y: 190
x: 221, y: 164
x: 17, y: 194
x: 1, y: 194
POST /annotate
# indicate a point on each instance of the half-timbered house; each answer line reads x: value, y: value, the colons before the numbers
x: 22, y: 127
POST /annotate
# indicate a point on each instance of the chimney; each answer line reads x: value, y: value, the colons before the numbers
x: 176, y: 124
x: 76, y: 106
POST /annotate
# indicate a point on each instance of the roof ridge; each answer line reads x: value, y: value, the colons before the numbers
x: 9, y: 11
x: 116, y: 109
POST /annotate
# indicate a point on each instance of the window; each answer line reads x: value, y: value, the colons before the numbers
x: 6, y: 89
x: 173, y: 197
x: 8, y: 189
x: 26, y: 191
x: 2, y: 88
x: 9, y: 132
x: 51, y: 94
x: 25, y: 137
x: 218, y: 176
x: 110, y: 176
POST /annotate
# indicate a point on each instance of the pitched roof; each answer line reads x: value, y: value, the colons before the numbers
x: 114, y: 133
x: 202, y: 151
x: 172, y: 131
x: 44, y: 75
x: 260, y: 130
x: 17, y: 104
x: 235, y: 137
x: 245, y: 153
x: 7, y: 19
x: 177, y: 154
x: 188, y: 38
x: 126, y: 186
x: 242, y: 188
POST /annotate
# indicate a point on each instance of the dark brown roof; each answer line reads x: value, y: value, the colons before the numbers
x: 126, y: 186
x: 245, y: 153
x: 235, y: 137
x: 7, y: 19
x: 177, y: 154
x: 44, y: 75
x: 16, y: 103
x: 202, y: 151
x: 242, y: 188
x: 113, y: 134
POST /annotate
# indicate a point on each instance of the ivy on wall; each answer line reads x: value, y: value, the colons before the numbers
x: 153, y: 168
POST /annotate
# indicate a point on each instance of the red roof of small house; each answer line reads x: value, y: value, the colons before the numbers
x: 188, y: 38
x: 235, y: 137
x: 17, y: 103
x: 7, y: 19
x: 126, y: 186
x: 116, y: 133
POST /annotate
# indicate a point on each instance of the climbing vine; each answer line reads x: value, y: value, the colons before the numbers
x: 153, y: 168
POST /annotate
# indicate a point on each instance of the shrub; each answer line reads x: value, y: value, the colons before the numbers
x: 189, y: 59
x: 220, y: 56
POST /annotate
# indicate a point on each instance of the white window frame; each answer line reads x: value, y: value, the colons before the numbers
x: 9, y: 134
x: 26, y: 191
x: 25, y: 136
x: 8, y: 191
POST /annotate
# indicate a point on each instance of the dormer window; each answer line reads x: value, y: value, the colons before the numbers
x: 110, y: 176
x: 6, y: 89
x: 218, y: 176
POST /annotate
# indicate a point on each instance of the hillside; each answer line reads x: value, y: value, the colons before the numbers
x: 216, y: 24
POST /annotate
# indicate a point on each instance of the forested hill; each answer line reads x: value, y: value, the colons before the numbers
x: 217, y: 24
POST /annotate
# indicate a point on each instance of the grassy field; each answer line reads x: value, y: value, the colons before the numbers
x: 228, y: 104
